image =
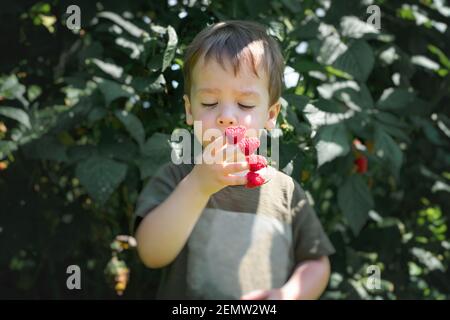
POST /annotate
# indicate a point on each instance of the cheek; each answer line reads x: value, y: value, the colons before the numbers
x: 207, y: 119
x: 255, y: 120
x: 248, y: 120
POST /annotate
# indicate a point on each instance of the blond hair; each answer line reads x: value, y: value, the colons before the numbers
x: 237, y: 41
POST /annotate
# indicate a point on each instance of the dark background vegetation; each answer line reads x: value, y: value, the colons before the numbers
x: 85, y: 119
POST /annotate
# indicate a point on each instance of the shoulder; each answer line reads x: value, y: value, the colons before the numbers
x: 283, y: 190
x: 173, y: 172
x: 286, y: 183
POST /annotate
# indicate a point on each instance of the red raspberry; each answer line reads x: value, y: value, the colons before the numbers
x: 249, y: 145
x: 361, y: 164
x: 256, y: 162
x: 254, y: 180
x: 235, y: 134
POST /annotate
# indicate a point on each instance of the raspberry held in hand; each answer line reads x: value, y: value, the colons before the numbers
x: 254, y: 180
x: 256, y: 162
x: 235, y: 134
x: 249, y: 145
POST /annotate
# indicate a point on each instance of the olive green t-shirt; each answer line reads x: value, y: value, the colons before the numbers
x: 244, y: 240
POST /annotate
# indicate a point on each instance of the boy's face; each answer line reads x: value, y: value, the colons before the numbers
x: 220, y: 99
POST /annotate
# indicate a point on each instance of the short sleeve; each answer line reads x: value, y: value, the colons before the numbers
x: 310, y: 240
x: 157, y: 189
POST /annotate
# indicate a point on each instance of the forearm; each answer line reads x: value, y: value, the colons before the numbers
x: 164, y: 231
x: 309, y: 280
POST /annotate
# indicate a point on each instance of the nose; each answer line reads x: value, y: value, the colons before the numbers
x: 226, y: 119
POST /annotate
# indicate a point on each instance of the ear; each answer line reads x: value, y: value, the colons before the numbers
x: 274, y: 110
x: 188, y: 110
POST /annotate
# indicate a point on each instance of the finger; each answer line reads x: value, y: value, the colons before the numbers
x: 210, y: 154
x: 235, y: 180
x: 235, y: 167
x: 234, y: 154
x: 256, y: 295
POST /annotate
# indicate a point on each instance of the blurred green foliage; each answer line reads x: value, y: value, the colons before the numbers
x: 86, y: 118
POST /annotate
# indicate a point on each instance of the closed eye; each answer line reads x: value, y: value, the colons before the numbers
x: 245, y: 106
x: 209, y: 104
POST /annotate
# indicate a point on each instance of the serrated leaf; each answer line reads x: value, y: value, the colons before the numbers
x: 133, y: 125
x: 100, y: 177
x: 329, y: 49
x: 331, y: 142
x: 149, y: 84
x: 297, y: 101
x: 157, y: 151
x: 393, y: 98
x: 387, y: 149
x: 112, y: 90
x: 47, y: 148
x: 357, y: 60
x: 355, y: 201
x: 329, y: 106
x: 307, y: 30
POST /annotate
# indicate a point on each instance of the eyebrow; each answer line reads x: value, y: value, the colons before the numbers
x: 241, y: 93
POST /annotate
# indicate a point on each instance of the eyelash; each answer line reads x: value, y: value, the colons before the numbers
x: 240, y: 105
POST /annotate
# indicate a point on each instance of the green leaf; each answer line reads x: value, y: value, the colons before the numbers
x: 390, y: 119
x: 329, y: 49
x: 157, y: 143
x: 157, y: 151
x: 425, y: 62
x: 97, y: 114
x: 11, y: 88
x: 133, y: 125
x: 169, y: 53
x: 33, y: 92
x: 393, y: 98
x: 442, y: 57
x: 355, y: 201
x: 355, y: 96
x: 288, y: 151
x: 47, y: 148
x: 126, y: 25
x: 109, y: 68
x: 307, y: 30
x: 357, y: 60
x: 352, y: 27
x: 6, y: 147
x: 393, y: 125
x: 16, y: 114
x: 118, y: 148
x: 297, y: 101
x: 112, y: 90
x: 305, y: 65
x: 387, y: 149
x: 150, y: 84
x: 395, y: 132
x: 331, y: 142
x: 100, y: 177
x: 78, y: 153
x: 292, y: 6
x: 329, y: 106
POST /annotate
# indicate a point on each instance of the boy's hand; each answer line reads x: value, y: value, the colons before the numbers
x: 215, y: 171
x: 273, y: 294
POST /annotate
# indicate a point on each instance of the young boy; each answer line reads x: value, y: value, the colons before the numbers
x: 215, y: 238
